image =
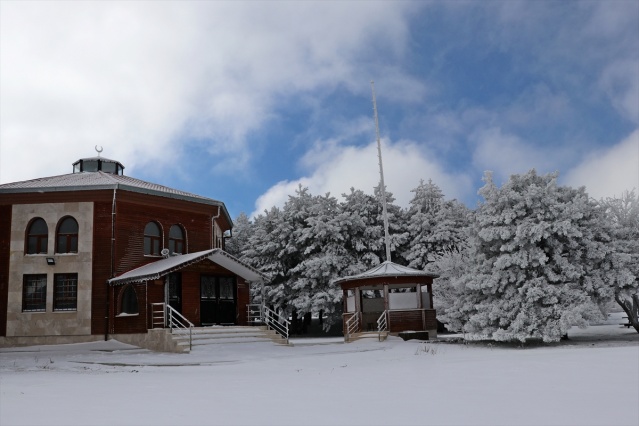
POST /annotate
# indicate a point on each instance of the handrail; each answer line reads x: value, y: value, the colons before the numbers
x: 158, y: 315
x: 352, y: 325
x: 254, y: 314
x: 263, y: 315
x: 180, y: 325
x: 382, y: 324
x: 276, y: 322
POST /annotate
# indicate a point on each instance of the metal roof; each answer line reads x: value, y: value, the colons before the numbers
x: 85, y: 181
x: 162, y: 267
x: 387, y: 269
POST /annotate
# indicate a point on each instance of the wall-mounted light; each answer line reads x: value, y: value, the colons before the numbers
x: 50, y: 261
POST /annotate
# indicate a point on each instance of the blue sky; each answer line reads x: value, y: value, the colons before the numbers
x: 244, y: 101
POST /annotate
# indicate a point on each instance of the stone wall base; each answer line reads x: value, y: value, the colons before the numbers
x: 17, y: 341
x: 158, y: 339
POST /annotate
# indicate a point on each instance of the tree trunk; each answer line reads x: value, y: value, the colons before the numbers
x: 631, y: 309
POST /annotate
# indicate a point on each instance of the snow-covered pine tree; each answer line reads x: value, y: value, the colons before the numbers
x: 540, y: 261
x: 364, y: 233
x: 242, y: 230
x: 622, y: 214
x: 435, y: 226
x: 323, y: 258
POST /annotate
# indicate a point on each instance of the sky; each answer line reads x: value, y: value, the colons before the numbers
x: 244, y: 102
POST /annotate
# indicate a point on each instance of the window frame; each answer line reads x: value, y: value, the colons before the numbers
x: 128, y: 295
x: 41, y: 240
x: 34, y: 303
x: 177, y: 245
x: 70, y: 239
x: 70, y: 295
x: 154, y: 241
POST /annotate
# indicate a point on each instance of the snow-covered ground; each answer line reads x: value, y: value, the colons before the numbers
x: 591, y: 379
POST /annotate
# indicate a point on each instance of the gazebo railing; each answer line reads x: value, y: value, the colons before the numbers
x: 352, y: 325
x: 382, y: 324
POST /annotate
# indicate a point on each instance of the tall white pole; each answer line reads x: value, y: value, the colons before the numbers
x: 381, y: 175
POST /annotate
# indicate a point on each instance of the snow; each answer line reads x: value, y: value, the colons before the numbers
x: 591, y: 379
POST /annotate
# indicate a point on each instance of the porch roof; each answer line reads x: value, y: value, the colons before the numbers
x: 158, y: 269
x: 385, y: 270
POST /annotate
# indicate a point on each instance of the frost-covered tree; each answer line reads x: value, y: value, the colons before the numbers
x: 540, y: 261
x: 434, y: 226
x: 242, y: 230
x: 359, y: 218
x: 622, y: 216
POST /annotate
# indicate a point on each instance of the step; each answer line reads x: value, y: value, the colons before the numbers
x: 202, y: 336
x: 368, y: 335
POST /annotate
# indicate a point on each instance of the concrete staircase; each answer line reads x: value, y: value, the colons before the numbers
x: 368, y: 335
x: 226, y: 335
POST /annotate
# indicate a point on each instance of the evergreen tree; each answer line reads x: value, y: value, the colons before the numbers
x: 242, y: 230
x: 622, y: 216
x: 434, y: 226
x: 540, y: 262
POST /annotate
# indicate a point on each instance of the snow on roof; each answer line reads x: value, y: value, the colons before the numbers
x: 158, y: 269
x: 85, y: 181
x: 99, y: 180
x: 387, y: 269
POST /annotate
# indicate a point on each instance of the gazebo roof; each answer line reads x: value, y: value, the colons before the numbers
x: 387, y: 269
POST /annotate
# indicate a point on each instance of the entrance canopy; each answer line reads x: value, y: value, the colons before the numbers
x: 155, y: 270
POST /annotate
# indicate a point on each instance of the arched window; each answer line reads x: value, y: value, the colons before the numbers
x: 152, y: 239
x: 129, y: 301
x: 66, y: 240
x: 176, y: 239
x: 37, y: 236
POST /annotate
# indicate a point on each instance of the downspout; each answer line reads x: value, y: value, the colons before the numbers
x: 213, y: 227
x: 111, y: 275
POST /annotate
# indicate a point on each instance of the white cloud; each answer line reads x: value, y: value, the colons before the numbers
x: 137, y: 76
x: 620, y: 81
x: 507, y: 154
x: 337, y: 167
x: 610, y: 172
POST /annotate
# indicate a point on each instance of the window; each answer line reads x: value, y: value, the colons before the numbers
x: 152, y: 239
x: 34, y: 293
x: 37, y: 236
x: 67, y: 236
x: 176, y: 239
x: 65, y: 292
x: 129, y: 301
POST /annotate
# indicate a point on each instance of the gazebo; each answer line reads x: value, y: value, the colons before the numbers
x: 388, y: 298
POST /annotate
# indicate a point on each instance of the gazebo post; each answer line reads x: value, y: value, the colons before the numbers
x: 386, y: 306
x: 358, y: 306
x: 429, y: 286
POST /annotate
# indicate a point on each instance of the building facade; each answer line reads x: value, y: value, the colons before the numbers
x: 66, y: 240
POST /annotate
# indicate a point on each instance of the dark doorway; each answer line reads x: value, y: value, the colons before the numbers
x: 218, y: 300
x: 175, y: 291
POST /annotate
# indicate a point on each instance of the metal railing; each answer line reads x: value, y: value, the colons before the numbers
x: 382, y: 324
x: 254, y: 314
x: 180, y: 325
x: 158, y: 315
x: 352, y: 326
x: 260, y: 314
